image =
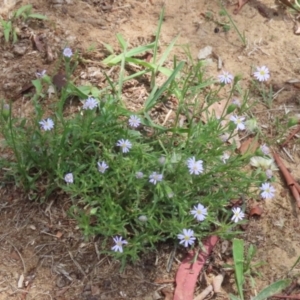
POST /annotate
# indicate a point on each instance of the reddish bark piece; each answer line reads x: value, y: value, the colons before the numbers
x: 188, y: 271
x: 293, y: 185
x: 291, y: 135
x: 255, y: 211
x: 249, y: 145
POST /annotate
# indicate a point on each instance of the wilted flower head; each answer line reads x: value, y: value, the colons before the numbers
x: 236, y: 102
x: 139, y: 175
x: 265, y: 149
x: 162, y: 160
x: 67, y: 52
x: 264, y: 163
x: 225, y: 157
x: 102, y: 166
x: 69, y: 178
x: 143, y: 218
x: 155, y: 177
x: 251, y: 125
x: 224, y: 137
x: 40, y: 74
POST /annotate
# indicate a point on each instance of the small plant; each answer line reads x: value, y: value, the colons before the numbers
x: 243, y: 266
x: 133, y: 179
x: 225, y: 12
x: 9, y: 27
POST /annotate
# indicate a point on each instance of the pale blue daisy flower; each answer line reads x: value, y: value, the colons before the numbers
x: 119, y: 242
x: 186, y: 237
x: 47, y: 124
x: 102, y: 167
x: 238, y: 214
x: 199, y: 212
x: 155, y: 177
x: 125, y: 145
x: 90, y: 103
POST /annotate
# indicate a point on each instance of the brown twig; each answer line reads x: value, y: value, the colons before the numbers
x: 293, y: 185
x: 296, y: 297
x: 291, y: 135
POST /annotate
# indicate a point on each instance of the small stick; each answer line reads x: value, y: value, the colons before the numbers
x: 24, y: 267
x: 297, y: 297
x: 293, y: 185
x: 292, y: 134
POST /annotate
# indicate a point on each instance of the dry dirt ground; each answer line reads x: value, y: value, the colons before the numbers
x: 41, y: 242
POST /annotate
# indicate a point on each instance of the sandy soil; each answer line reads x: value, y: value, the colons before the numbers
x: 41, y: 242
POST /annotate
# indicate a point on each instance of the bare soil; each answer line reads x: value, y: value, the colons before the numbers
x: 41, y: 242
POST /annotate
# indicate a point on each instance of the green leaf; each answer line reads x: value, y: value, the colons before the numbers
x: 23, y: 9
x: 7, y: 28
x: 233, y: 297
x: 116, y: 59
x: 156, y: 93
x: 37, y: 16
x: 273, y: 289
x: 122, y: 42
x: 238, y: 258
x: 109, y: 48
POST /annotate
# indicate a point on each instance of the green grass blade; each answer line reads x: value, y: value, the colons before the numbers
x: 155, y: 94
x: 156, y: 42
x: 294, y: 265
x: 273, y: 289
x: 233, y: 297
x: 122, y: 42
x: 238, y: 257
x: 37, y: 16
x: 22, y: 9
x: 167, y: 52
x: 114, y: 60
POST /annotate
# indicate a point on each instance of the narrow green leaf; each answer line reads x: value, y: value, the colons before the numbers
x: 122, y: 42
x: 238, y: 258
x: 109, y: 48
x: 116, y: 59
x: 273, y: 289
x: 233, y: 297
x: 37, y: 16
x: 23, y: 9
x: 156, y: 93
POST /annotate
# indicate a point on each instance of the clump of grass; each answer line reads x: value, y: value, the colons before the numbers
x: 9, y: 26
x: 132, y: 180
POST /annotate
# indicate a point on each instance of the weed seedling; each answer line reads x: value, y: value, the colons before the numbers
x: 9, y: 27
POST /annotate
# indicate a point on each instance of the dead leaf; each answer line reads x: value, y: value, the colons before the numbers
x: 59, y: 80
x: 59, y: 234
x: 14, y: 255
x: 20, y: 281
x: 217, y: 282
x: 204, y: 293
x: 168, y: 293
x: 250, y: 145
x: 255, y: 211
x: 37, y: 41
x: 187, y: 273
